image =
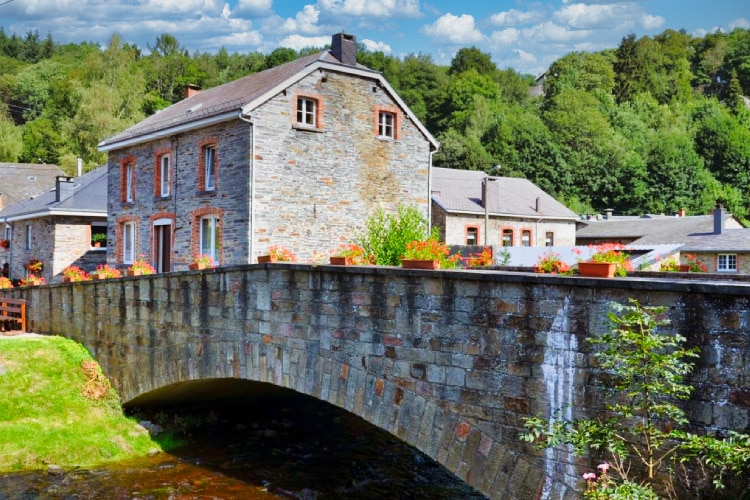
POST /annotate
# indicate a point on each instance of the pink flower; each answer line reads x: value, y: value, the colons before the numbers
x: 603, y: 467
x: 589, y: 476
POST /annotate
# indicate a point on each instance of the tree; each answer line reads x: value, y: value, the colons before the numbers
x: 643, y: 370
x: 471, y: 58
x: 280, y: 56
x: 11, y: 142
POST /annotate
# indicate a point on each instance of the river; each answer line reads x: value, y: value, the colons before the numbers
x: 266, y: 447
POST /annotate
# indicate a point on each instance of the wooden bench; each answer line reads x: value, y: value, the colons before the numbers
x: 13, y: 310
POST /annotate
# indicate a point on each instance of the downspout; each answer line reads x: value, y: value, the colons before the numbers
x: 251, y: 233
x: 429, y: 192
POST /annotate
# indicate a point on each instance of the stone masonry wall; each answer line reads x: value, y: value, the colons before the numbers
x: 448, y: 361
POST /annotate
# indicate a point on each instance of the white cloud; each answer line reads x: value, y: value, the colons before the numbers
x: 515, y: 17
x: 372, y: 8
x: 374, y: 46
x: 298, y: 42
x: 551, y: 32
x: 649, y: 22
x: 739, y: 23
x: 454, y: 30
x: 505, y: 37
x: 253, y: 8
x: 582, y: 16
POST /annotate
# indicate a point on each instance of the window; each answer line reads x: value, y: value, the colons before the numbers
x: 98, y: 235
x: 128, y: 242
x: 209, y: 156
x: 525, y: 238
x: 129, y: 184
x: 209, y: 237
x: 29, y: 239
x: 472, y: 236
x: 507, y: 237
x: 726, y: 262
x: 164, y: 171
x: 387, y: 124
x: 549, y: 239
x: 307, y: 111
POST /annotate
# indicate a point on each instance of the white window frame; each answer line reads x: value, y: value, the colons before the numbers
x: 387, y: 124
x: 164, y: 173
x: 29, y: 237
x: 307, y: 111
x: 129, y: 173
x: 475, y: 231
x: 209, y: 236
x: 726, y: 262
x: 524, y: 241
x: 549, y: 239
x: 209, y: 159
x: 128, y: 242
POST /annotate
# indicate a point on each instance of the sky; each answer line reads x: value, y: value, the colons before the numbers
x: 524, y: 35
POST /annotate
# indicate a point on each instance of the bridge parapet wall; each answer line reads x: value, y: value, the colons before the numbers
x: 448, y: 361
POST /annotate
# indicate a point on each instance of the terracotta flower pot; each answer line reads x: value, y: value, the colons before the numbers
x: 597, y: 269
x: 337, y: 260
x: 420, y: 264
x: 133, y: 272
x: 197, y: 266
x: 264, y: 259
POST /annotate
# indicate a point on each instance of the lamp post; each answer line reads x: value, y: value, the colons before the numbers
x: 485, y: 202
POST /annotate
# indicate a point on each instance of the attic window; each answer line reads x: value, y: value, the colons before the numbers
x: 308, y: 112
x: 387, y: 122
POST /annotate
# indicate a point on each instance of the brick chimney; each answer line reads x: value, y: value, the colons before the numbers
x: 719, y: 219
x: 344, y: 48
x: 63, y: 187
x: 191, y: 90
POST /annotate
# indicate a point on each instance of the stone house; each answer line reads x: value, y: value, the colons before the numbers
x: 298, y: 155
x: 726, y: 249
x: 57, y: 226
x: 471, y: 208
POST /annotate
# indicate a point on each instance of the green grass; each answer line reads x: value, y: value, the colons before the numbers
x: 45, y: 417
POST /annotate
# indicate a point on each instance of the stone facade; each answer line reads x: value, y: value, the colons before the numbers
x: 57, y: 241
x: 278, y: 183
x: 448, y: 361
x: 453, y: 228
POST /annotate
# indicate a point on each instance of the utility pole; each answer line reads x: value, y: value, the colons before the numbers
x: 485, y: 202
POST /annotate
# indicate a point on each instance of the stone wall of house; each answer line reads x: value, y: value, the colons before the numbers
x: 316, y: 188
x: 42, y: 246
x: 709, y: 259
x: 448, y: 361
x: 313, y: 188
x: 186, y: 202
x: 453, y: 228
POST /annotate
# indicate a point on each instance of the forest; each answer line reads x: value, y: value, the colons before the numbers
x: 655, y: 125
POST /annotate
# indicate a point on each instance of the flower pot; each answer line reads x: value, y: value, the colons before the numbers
x: 99, y: 276
x: 133, y: 272
x: 341, y: 261
x: 264, y: 259
x: 597, y: 269
x: 420, y: 264
x: 197, y: 266
x: 684, y: 268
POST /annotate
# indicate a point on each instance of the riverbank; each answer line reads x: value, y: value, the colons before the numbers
x: 58, y: 409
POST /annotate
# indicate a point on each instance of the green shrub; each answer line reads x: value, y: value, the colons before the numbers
x: 385, y: 235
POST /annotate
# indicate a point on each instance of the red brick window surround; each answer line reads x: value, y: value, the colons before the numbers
x: 387, y: 122
x: 507, y: 237
x: 208, y: 165
x: 163, y: 173
x: 526, y: 238
x: 126, y: 238
x: 308, y: 110
x: 205, y: 232
x: 472, y: 235
x: 127, y: 179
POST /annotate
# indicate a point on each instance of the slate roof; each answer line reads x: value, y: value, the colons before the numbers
x: 460, y: 191
x: 20, y: 181
x: 729, y: 240
x: 651, y: 229
x: 226, y: 101
x: 89, y: 197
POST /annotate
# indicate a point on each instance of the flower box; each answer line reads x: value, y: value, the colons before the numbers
x: 420, y: 264
x: 597, y: 269
x: 337, y: 260
x: 197, y: 266
x: 265, y: 259
x: 684, y: 268
x: 133, y: 272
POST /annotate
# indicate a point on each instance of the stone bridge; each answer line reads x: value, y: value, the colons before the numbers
x: 448, y: 361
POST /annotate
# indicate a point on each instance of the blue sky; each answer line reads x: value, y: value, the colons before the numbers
x: 525, y: 35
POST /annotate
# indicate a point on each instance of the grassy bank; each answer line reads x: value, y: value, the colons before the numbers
x: 57, y: 408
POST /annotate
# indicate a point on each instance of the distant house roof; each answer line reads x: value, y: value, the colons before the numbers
x: 729, y: 240
x: 650, y: 229
x: 20, y: 181
x: 227, y: 101
x: 640, y: 254
x: 460, y: 191
x: 87, y: 196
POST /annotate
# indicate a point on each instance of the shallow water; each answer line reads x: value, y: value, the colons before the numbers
x: 271, y: 448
